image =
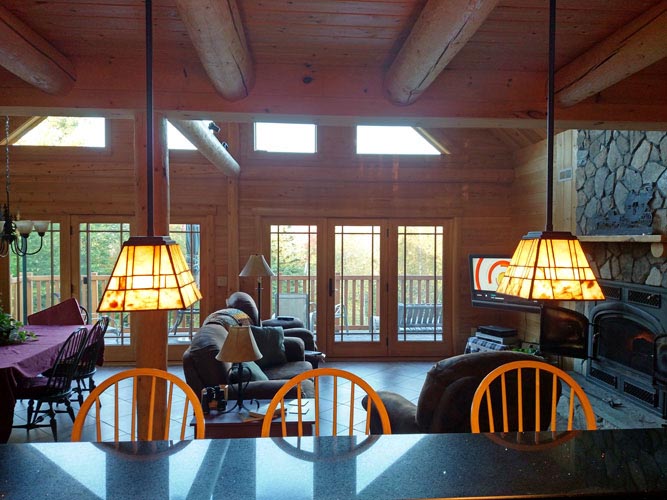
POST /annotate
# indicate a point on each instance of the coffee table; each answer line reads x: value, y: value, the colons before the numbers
x: 235, y: 425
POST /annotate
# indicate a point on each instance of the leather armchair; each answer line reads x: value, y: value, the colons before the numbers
x: 446, y: 396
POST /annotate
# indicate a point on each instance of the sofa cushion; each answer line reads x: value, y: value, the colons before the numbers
x: 270, y: 342
x: 288, y: 370
x: 256, y: 372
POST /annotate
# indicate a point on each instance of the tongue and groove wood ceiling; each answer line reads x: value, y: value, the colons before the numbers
x: 428, y: 63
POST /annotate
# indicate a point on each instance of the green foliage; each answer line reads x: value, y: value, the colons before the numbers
x: 12, y: 331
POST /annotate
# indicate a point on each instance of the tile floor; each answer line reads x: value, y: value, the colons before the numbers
x: 405, y: 378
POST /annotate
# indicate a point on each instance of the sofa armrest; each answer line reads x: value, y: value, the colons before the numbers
x: 295, y: 349
x: 304, y: 334
x: 402, y: 414
x: 201, y: 369
x: 266, y: 389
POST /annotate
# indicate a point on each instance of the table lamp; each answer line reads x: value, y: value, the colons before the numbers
x: 239, y: 347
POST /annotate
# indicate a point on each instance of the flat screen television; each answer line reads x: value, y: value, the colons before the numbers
x: 486, y: 271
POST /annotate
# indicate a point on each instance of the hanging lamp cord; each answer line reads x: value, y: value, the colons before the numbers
x: 149, y: 118
x: 7, y: 163
x: 550, y: 114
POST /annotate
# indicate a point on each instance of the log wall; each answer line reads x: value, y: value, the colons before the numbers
x: 491, y: 194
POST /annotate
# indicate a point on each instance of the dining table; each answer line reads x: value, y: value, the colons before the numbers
x: 28, y: 359
x: 629, y: 463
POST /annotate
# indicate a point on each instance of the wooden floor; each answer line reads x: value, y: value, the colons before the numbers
x: 403, y: 377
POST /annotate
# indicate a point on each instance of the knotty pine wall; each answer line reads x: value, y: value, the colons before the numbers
x: 529, y: 195
x: 490, y: 194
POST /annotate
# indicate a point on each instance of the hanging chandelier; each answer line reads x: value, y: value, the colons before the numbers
x: 15, y: 232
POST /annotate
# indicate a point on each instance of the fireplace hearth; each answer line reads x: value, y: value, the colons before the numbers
x: 625, y: 326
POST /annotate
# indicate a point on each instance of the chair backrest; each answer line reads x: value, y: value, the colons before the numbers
x: 109, y: 412
x: 89, y: 356
x: 67, y: 312
x: 296, y: 305
x: 326, y: 381
x: 64, y: 368
x: 507, y: 385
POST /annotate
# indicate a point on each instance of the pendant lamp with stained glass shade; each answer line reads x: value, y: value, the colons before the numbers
x: 550, y: 265
x: 151, y: 272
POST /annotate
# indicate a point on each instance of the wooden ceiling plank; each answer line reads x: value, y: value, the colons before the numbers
x: 195, y: 132
x: 632, y: 48
x: 441, y: 30
x: 27, y: 55
x: 217, y: 33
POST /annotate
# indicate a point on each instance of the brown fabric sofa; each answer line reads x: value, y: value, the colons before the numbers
x: 201, y: 369
x: 446, y: 396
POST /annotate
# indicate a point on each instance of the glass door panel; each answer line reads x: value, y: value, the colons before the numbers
x: 100, y: 244
x: 420, y: 280
x: 183, y: 324
x: 35, y: 279
x: 294, y: 261
x: 354, y: 289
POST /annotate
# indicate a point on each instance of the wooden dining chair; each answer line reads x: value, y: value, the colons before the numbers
x: 90, y: 358
x: 45, y: 392
x: 346, y: 410
x: 112, y: 408
x: 522, y: 393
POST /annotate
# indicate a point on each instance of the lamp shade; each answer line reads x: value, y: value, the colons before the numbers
x: 150, y: 274
x: 256, y: 266
x: 24, y: 227
x: 239, y: 346
x: 550, y: 265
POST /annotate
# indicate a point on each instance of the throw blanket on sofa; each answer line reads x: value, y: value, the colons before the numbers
x: 228, y: 317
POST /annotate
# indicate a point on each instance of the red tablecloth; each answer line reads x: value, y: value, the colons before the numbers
x: 27, y: 360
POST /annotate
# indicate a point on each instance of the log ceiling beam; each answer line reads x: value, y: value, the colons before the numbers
x: 195, y: 132
x: 27, y: 55
x: 441, y: 30
x: 436, y: 138
x: 20, y: 126
x: 216, y: 31
x: 632, y: 48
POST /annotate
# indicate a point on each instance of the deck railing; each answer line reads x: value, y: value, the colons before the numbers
x: 359, y: 293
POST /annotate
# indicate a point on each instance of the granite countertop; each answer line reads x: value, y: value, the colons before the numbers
x: 580, y: 463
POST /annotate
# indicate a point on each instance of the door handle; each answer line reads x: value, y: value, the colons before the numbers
x: 331, y: 287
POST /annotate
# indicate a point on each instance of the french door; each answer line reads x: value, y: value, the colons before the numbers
x: 385, y: 288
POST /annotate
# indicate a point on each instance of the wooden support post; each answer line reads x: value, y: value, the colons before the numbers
x: 149, y: 328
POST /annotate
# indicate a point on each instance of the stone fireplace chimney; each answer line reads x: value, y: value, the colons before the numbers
x: 617, y: 172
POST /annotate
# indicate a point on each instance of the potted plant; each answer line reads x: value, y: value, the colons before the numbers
x: 12, y: 331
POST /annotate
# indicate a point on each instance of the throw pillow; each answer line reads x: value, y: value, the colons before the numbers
x: 256, y: 372
x: 270, y: 341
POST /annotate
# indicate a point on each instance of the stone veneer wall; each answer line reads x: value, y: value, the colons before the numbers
x: 610, y: 164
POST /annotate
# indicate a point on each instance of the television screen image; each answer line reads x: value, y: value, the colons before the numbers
x: 486, y: 271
